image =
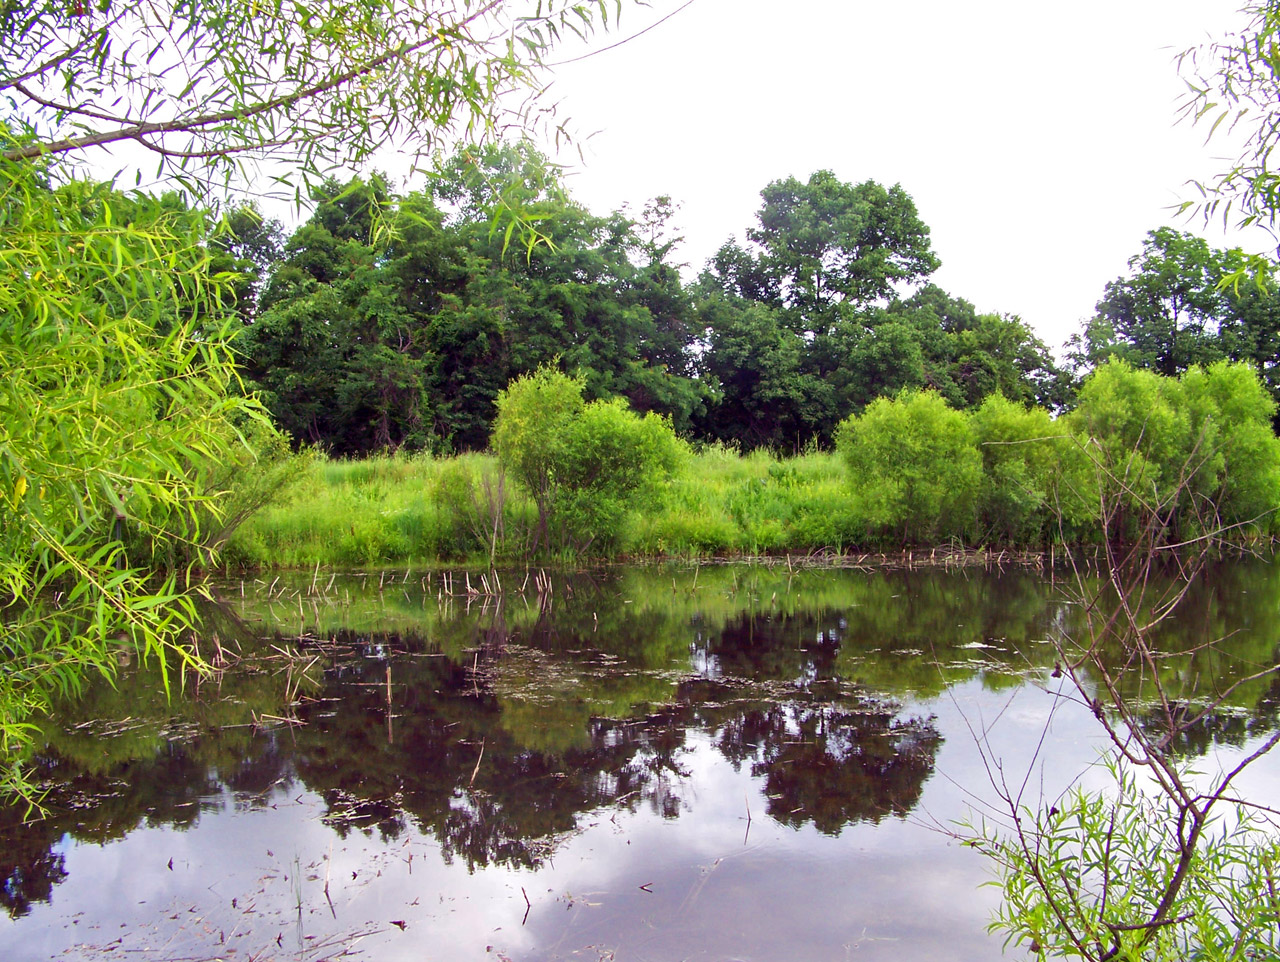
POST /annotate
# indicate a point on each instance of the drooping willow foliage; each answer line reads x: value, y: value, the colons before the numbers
x: 119, y: 404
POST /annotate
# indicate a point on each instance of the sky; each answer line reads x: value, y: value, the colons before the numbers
x: 1040, y: 142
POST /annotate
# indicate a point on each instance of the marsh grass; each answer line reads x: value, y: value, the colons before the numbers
x: 412, y: 510
x: 727, y: 504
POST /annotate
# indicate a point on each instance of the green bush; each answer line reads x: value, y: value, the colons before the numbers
x: 585, y: 465
x: 1035, y: 486
x: 914, y: 468
x: 1197, y: 453
x: 1231, y: 409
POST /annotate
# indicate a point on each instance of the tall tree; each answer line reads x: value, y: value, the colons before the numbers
x: 246, y: 244
x: 829, y: 243
x: 765, y: 398
x: 336, y: 352
x: 398, y: 320
x: 1173, y: 310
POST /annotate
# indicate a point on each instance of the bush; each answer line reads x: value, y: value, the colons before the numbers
x: 586, y: 465
x: 1034, y: 485
x: 914, y: 467
x: 1231, y: 409
x: 1193, y: 453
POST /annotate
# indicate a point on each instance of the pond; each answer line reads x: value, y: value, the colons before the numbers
x: 701, y: 763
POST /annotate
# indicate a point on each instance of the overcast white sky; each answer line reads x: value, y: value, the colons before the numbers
x: 1038, y: 140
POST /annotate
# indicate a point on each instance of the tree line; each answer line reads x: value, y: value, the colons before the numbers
x: 389, y: 322
x: 395, y: 321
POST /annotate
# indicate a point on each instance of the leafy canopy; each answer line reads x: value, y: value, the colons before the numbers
x: 323, y: 82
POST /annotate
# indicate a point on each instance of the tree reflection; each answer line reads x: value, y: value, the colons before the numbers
x: 833, y: 765
x: 498, y: 731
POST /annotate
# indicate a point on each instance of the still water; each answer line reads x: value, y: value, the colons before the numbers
x: 710, y: 763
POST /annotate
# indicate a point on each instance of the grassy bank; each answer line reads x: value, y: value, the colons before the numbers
x: 1140, y: 456
x: 421, y: 510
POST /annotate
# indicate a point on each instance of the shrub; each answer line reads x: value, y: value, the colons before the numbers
x: 1032, y: 480
x: 586, y: 465
x: 1191, y: 453
x: 913, y: 465
x: 1230, y: 407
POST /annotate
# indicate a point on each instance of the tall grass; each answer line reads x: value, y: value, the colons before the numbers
x: 726, y: 503
x: 393, y: 510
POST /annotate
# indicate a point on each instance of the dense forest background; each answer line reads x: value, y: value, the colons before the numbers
x: 390, y: 322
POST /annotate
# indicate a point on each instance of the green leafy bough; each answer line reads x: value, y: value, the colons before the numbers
x: 1169, y: 863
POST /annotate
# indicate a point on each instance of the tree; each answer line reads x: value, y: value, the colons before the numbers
x: 246, y: 245
x: 869, y: 362
x: 119, y: 400
x: 323, y: 83
x: 416, y: 312
x: 585, y: 464
x: 825, y: 250
x: 828, y: 243
x: 766, y: 399
x: 336, y: 352
x: 840, y: 267
x: 1173, y: 311
x: 1187, y: 455
x: 1166, y: 315
x: 1034, y: 475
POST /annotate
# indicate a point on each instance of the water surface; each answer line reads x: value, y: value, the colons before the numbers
x: 662, y: 763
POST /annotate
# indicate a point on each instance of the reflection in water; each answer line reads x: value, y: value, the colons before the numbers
x: 503, y: 729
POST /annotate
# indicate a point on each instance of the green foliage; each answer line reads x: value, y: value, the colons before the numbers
x: 385, y: 511
x: 829, y: 242
x: 1195, y: 453
x: 585, y: 464
x: 1233, y: 412
x: 1184, y: 303
x: 1231, y: 86
x: 913, y: 467
x: 1088, y: 882
x: 1032, y: 488
x: 765, y: 398
x: 334, y: 351
x: 325, y: 82
x: 395, y: 322
x: 119, y: 406
x: 536, y: 414
x: 812, y: 324
x: 1009, y: 474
